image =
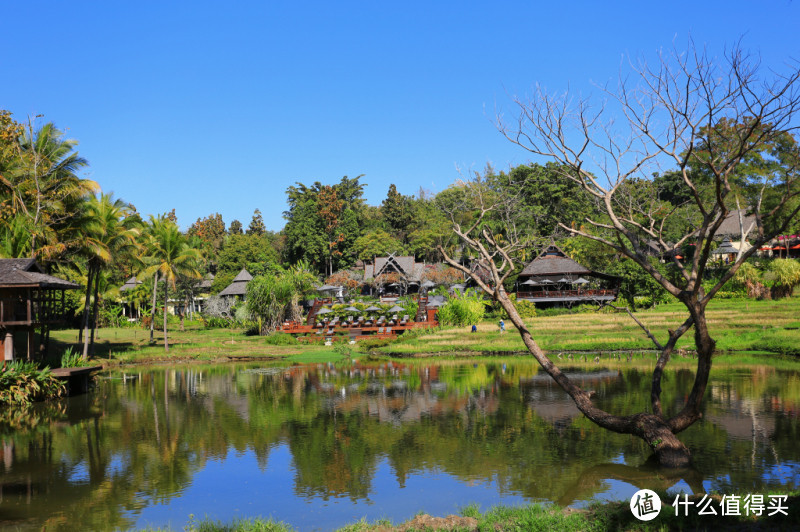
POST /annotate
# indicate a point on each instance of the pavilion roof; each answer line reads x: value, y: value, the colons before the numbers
x: 238, y: 286
x: 553, y: 261
x: 28, y: 273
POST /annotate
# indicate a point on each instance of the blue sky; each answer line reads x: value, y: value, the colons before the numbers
x: 220, y: 106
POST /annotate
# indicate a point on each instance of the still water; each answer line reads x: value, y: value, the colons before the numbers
x: 319, y: 446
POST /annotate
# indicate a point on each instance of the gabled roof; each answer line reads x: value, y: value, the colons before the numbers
x: 206, y: 282
x: 405, y: 265
x: 27, y: 273
x: 730, y: 225
x: 130, y: 284
x: 238, y: 286
x: 553, y: 261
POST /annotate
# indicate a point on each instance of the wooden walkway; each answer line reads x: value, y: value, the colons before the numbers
x: 77, y: 379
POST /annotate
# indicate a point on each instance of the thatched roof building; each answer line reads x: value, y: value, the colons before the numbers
x: 130, y: 284
x: 407, y: 266
x: 553, y: 277
x: 26, y: 273
x: 238, y: 286
x: 29, y: 299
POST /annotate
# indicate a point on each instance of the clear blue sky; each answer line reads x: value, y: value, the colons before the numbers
x: 220, y: 106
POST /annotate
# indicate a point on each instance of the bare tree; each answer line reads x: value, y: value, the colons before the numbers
x: 685, y: 111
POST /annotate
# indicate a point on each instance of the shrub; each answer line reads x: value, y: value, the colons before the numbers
x: 23, y: 382
x: 785, y: 275
x: 465, y: 310
x: 71, y: 359
x: 279, y: 338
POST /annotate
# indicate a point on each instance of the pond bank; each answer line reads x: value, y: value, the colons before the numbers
x: 598, y: 517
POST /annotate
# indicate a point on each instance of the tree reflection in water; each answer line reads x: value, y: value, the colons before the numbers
x: 140, y: 439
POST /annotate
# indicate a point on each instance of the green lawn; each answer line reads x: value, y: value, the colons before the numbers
x: 736, y: 324
x: 132, y: 345
x: 739, y: 325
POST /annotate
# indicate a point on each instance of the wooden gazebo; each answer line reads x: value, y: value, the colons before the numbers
x: 553, y: 278
x: 29, y: 299
x: 238, y: 287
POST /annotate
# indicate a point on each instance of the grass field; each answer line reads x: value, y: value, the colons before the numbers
x: 132, y: 345
x: 736, y: 324
x: 740, y: 326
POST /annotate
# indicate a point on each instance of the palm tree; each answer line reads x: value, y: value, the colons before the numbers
x: 170, y: 257
x: 110, y: 230
x: 42, y: 189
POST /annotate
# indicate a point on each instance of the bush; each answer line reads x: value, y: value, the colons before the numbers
x: 23, y: 382
x: 465, y: 310
x: 366, y: 345
x: 279, y: 338
x: 72, y: 359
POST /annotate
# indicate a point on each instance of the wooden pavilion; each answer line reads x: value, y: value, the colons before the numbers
x: 29, y: 299
x: 238, y: 287
x: 554, y: 279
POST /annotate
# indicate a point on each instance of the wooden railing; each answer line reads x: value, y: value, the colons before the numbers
x: 36, y: 307
x: 588, y: 294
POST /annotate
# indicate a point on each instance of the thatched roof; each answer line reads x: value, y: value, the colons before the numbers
x: 205, y: 284
x: 130, y: 284
x: 730, y: 225
x: 238, y: 286
x: 553, y: 261
x: 27, y: 273
x: 405, y: 265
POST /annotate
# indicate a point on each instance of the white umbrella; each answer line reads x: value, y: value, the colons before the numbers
x: 373, y: 308
x: 580, y: 280
x: 428, y: 284
x: 352, y: 309
x: 323, y: 310
x: 563, y: 280
x: 530, y: 282
x: 546, y: 281
x: 396, y: 308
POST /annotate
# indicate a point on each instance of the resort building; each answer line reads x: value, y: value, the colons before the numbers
x: 553, y: 279
x: 238, y: 287
x: 29, y: 300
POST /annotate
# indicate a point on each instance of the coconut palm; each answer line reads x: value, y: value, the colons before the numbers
x: 42, y: 189
x: 170, y: 256
x: 109, y: 231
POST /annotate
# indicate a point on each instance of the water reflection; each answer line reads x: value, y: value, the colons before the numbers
x: 322, y: 445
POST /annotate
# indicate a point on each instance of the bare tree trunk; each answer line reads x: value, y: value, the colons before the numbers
x: 94, y: 311
x: 86, y: 306
x: 653, y: 429
x: 153, y: 308
x: 166, y: 292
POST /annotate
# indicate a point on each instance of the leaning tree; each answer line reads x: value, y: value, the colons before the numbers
x: 701, y: 118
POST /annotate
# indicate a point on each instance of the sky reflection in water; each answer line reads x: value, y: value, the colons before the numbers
x: 320, y: 446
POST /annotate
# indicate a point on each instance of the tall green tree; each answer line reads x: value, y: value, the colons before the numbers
x: 272, y: 298
x: 257, y: 226
x: 211, y: 230
x: 323, y: 222
x: 110, y: 233
x: 235, y: 228
x: 41, y: 189
x: 396, y: 209
x: 170, y: 257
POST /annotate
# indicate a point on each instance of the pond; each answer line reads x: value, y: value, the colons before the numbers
x: 320, y: 446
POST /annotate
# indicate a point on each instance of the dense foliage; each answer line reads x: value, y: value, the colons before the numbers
x: 23, y: 382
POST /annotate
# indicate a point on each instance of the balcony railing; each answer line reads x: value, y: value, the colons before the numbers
x: 560, y: 294
x: 34, y: 308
